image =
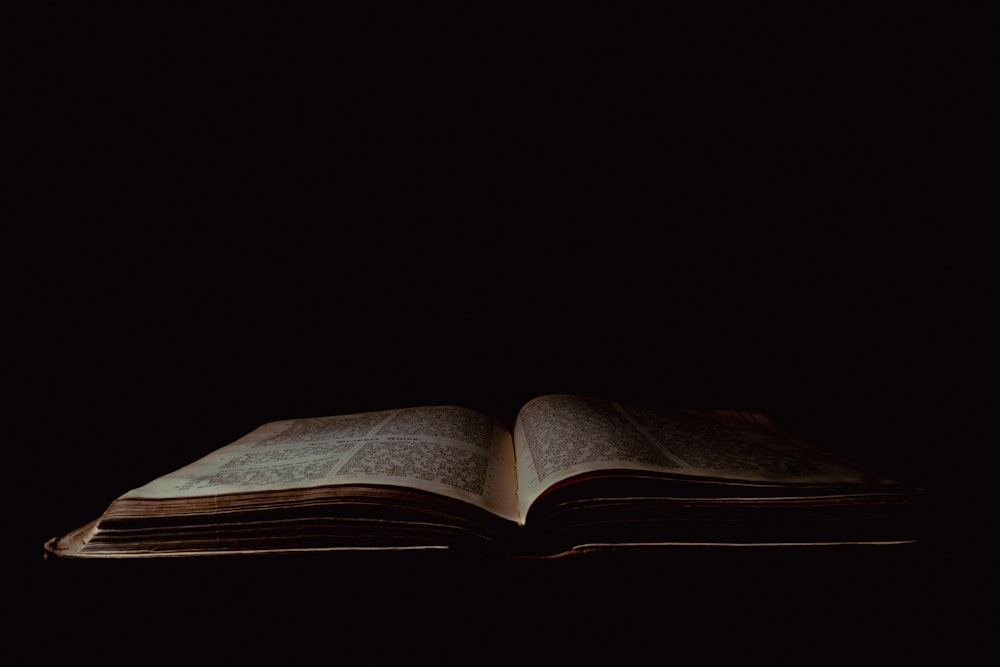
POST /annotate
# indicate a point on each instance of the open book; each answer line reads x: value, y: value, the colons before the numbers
x: 577, y: 473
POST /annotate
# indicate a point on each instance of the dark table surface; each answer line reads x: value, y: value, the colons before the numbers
x: 870, y: 605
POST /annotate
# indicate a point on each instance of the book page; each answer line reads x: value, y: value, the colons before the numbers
x: 450, y: 450
x: 559, y: 436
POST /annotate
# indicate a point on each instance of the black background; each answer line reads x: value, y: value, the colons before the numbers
x: 238, y: 218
